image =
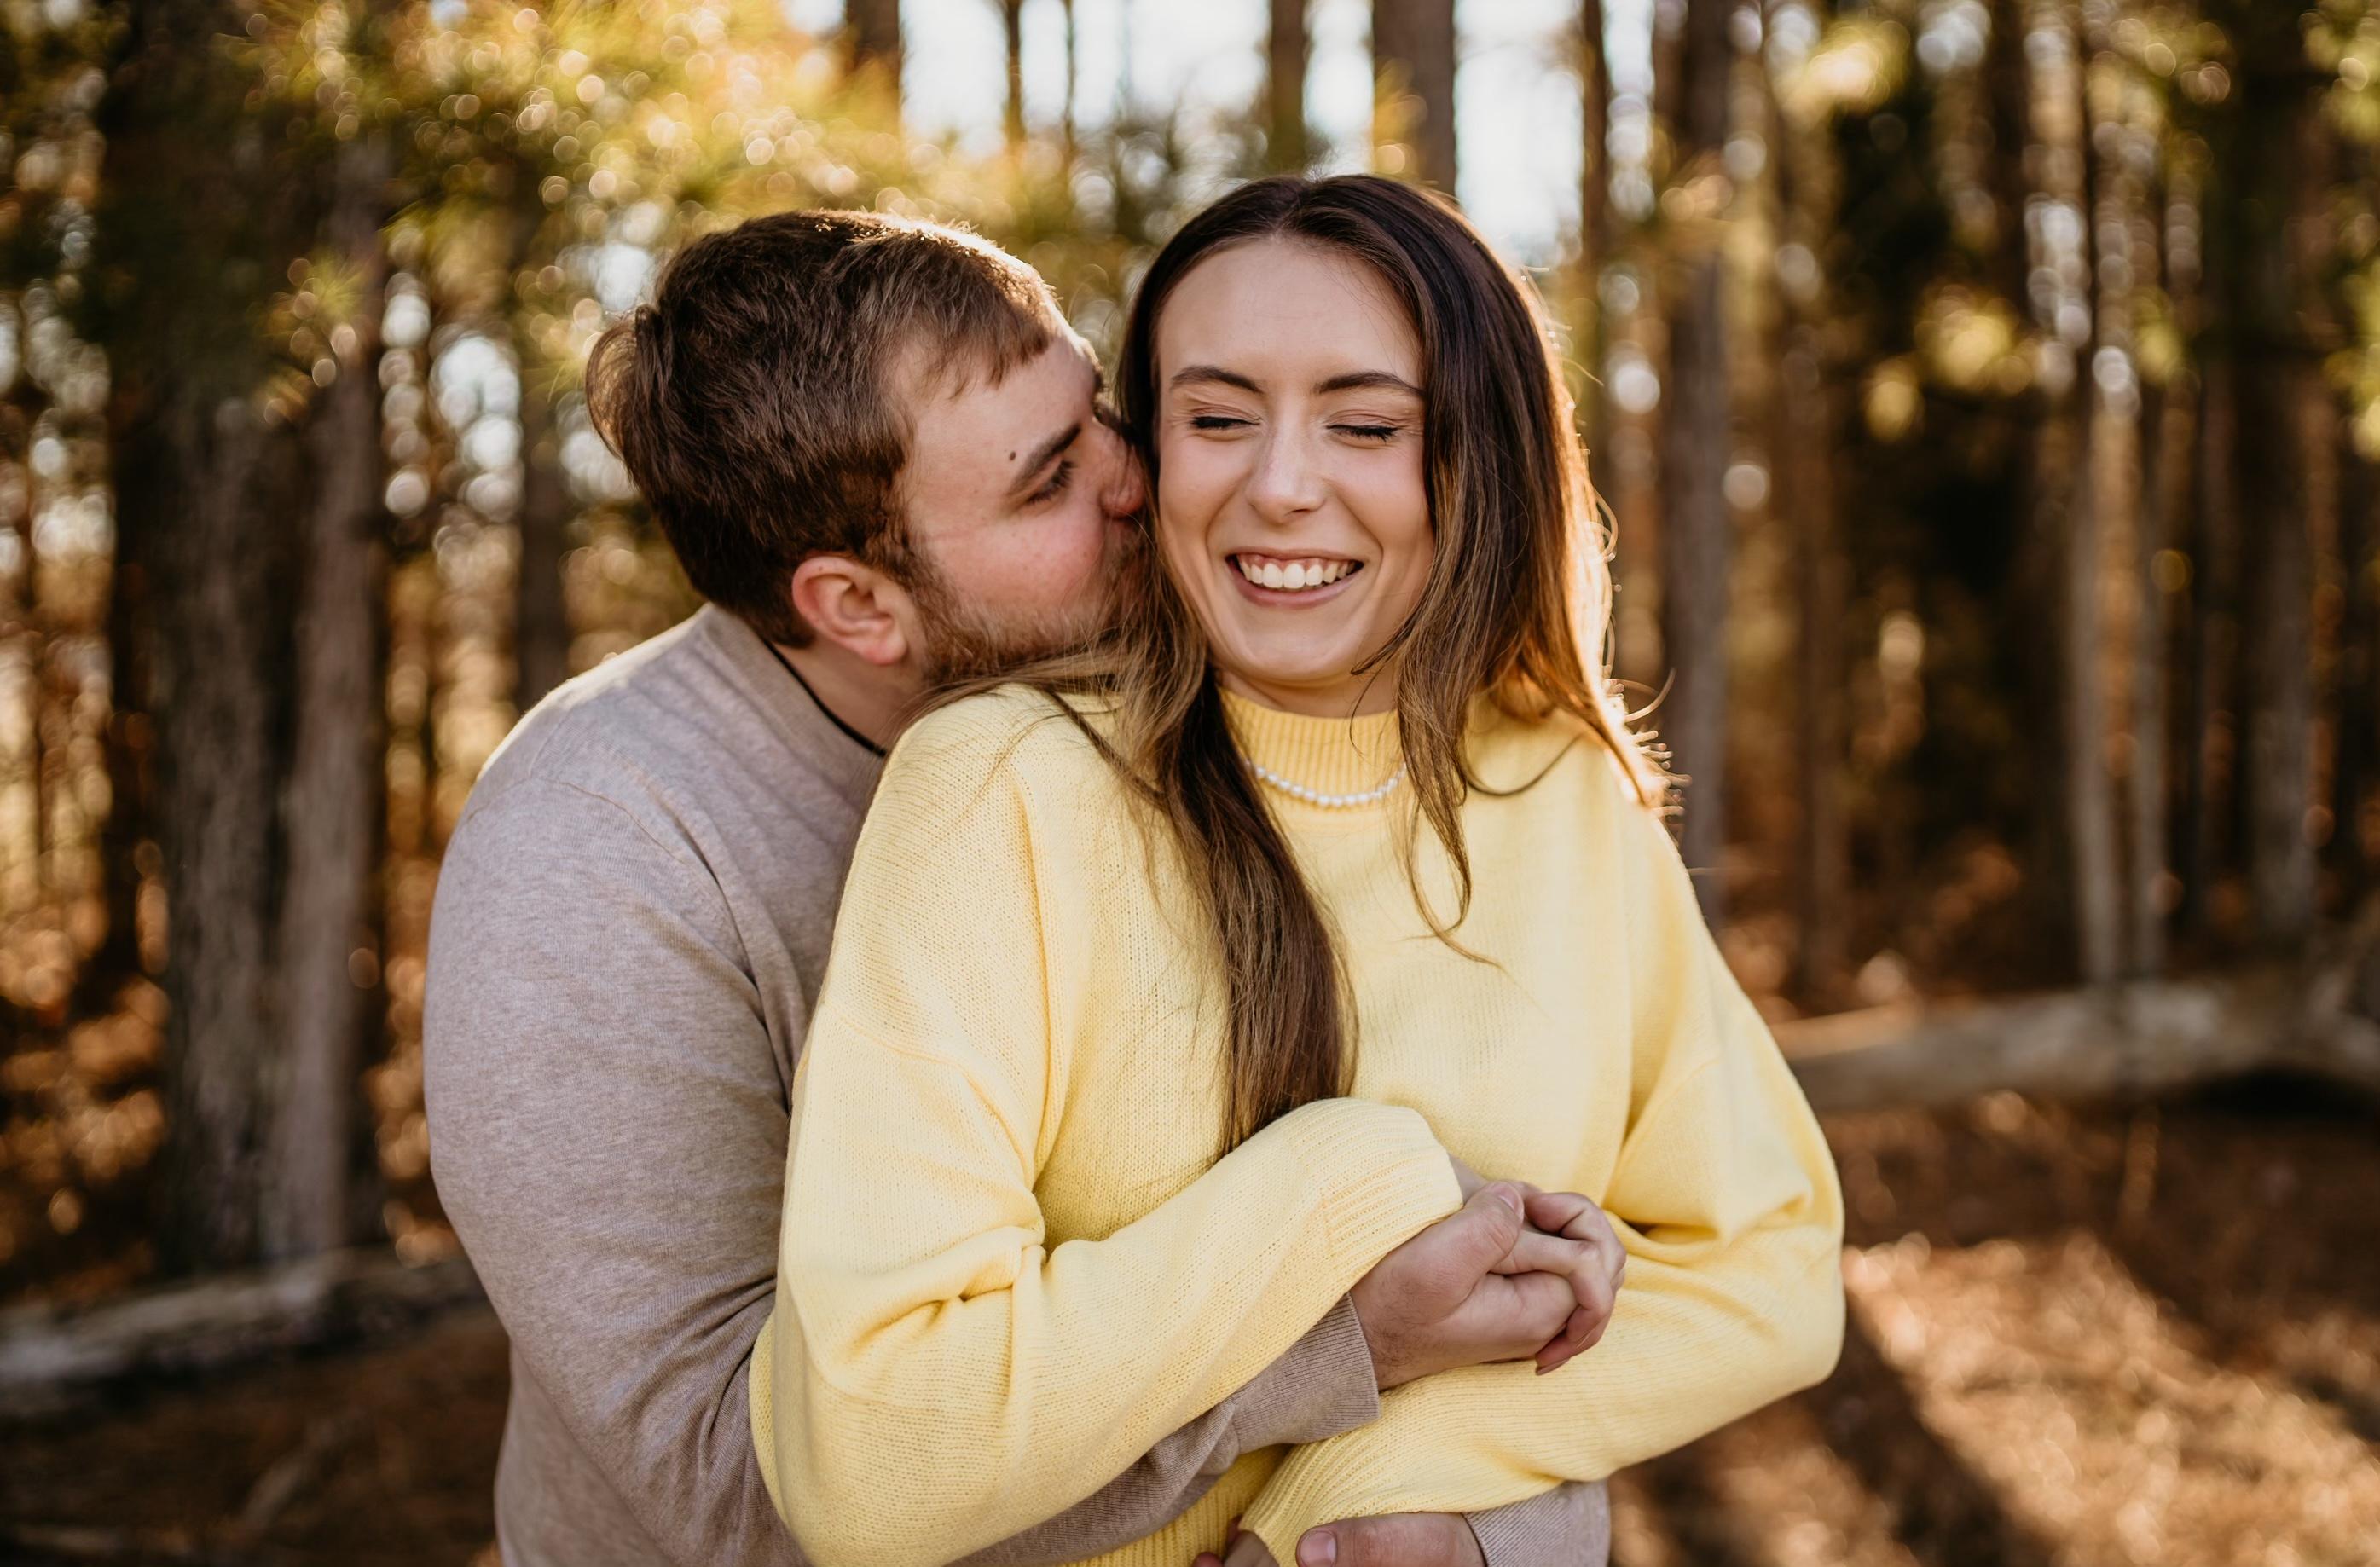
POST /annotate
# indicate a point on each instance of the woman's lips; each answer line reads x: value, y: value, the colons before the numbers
x: 1290, y: 580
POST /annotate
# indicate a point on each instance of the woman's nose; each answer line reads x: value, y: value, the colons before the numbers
x: 1285, y: 482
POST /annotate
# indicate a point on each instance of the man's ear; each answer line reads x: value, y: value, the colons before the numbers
x: 856, y: 607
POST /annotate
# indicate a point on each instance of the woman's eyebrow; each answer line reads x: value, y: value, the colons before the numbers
x: 1363, y: 378
x: 1189, y: 373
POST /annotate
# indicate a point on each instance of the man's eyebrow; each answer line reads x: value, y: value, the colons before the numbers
x: 1362, y: 379
x: 1189, y: 373
x: 1043, y: 455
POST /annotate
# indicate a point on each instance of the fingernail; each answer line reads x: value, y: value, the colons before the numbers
x: 1318, y: 1548
x: 1509, y: 1197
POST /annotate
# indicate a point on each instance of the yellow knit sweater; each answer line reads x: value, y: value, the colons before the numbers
x: 1010, y: 1262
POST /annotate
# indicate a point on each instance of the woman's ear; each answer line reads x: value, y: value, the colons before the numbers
x: 854, y: 607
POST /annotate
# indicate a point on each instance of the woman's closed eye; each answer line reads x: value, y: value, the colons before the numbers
x: 1219, y: 422
x: 1380, y: 432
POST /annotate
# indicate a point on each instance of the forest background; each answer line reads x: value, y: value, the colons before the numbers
x: 1986, y: 394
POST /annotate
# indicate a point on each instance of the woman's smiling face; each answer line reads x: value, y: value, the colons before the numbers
x: 1292, y: 506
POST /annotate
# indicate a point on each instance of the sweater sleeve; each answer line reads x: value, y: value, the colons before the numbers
x: 927, y: 1345
x: 1724, y: 1196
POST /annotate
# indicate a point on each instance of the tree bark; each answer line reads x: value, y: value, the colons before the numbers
x: 1412, y: 66
x: 2283, y: 401
x: 2213, y: 635
x: 1286, y: 47
x: 542, y: 620
x: 1594, y: 217
x: 872, y: 37
x: 540, y: 613
x: 2090, y: 803
x: 1011, y: 25
x: 1696, y: 546
x: 207, y: 473
x: 332, y: 806
x: 2355, y: 753
x: 2145, y: 795
x: 1066, y: 110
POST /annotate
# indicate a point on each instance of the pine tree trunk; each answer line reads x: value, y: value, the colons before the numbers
x: 1066, y: 110
x: 332, y: 812
x: 2286, y: 442
x: 212, y: 467
x: 541, y: 617
x: 872, y: 36
x: 2089, y: 793
x: 2163, y: 429
x: 541, y: 613
x: 1413, y: 57
x: 1593, y: 216
x: 2211, y: 759
x: 209, y: 480
x: 1809, y: 400
x: 2355, y: 755
x: 1011, y: 25
x: 1697, y: 548
x: 1286, y: 46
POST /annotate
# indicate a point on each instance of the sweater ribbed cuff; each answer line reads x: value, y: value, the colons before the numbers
x: 1323, y: 1385
x: 1382, y: 1176
x: 1568, y: 1527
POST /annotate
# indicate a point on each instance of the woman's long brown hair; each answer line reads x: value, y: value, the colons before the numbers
x: 1515, y: 610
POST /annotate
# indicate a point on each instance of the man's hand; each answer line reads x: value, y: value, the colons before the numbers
x: 1407, y: 1539
x: 1486, y: 1285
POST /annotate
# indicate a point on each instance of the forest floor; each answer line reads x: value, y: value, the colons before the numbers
x: 2077, y: 1337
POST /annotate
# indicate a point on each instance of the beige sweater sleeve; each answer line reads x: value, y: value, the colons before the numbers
x: 609, y: 1123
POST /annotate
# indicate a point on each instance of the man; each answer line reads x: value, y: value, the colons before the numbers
x: 877, y: 452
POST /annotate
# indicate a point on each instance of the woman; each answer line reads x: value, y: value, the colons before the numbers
x: 1342, y: 830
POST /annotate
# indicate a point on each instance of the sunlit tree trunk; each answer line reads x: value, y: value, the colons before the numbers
x: 332, y: 814
x: 873, y: 35
x: 1011, y: 26
x: 1286, y: 46
x: 1066, y: 110
x: 208, y: 477
x: 2167, y: 461
x: 1697, y: 550
x: 2090, y: 807
x: 1412, y: 64
x: 1594, y: 215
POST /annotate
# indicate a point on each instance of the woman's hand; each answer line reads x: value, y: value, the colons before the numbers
x: 1517, y: 1274
x: 1568, y: 1234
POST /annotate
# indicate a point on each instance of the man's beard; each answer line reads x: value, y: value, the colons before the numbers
x: 963, y: 643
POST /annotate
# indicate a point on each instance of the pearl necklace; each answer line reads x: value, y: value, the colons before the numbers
x: 1328, y: 802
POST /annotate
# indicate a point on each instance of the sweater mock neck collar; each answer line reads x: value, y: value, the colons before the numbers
x: 1330, y: 756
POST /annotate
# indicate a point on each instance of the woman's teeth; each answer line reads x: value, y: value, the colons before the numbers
x: 1292, y: 576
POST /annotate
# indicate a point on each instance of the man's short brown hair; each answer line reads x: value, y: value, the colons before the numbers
x: 753, y: 400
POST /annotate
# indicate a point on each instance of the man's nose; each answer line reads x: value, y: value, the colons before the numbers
x: 1128, y: 487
